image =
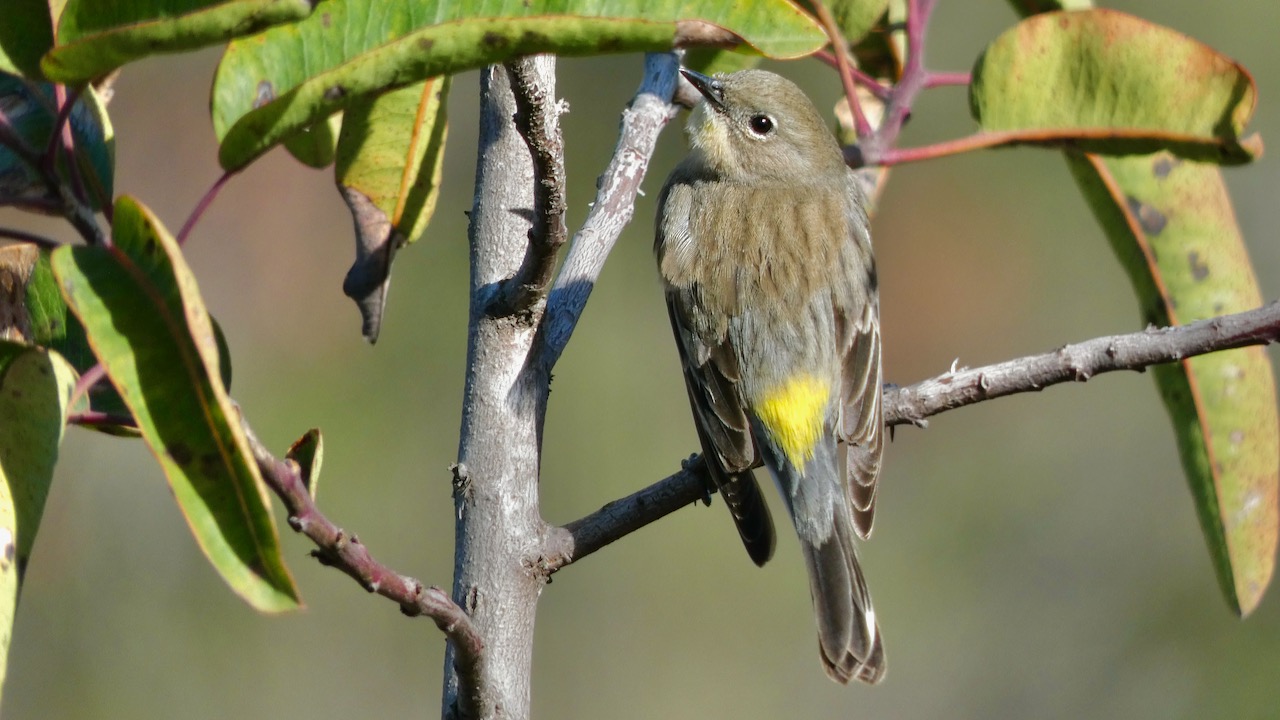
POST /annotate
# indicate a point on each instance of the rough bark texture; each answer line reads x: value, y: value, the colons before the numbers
x: 499, y: 527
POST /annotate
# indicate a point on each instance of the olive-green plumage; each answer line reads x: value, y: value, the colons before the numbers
x: 765, y: 256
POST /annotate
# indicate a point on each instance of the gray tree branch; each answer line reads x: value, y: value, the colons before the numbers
x: 949, y: 391
x: 537, y: 118
x: 649, y: 112
x: 498, y: 524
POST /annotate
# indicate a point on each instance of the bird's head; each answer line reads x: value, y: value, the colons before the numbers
x: 755, y: 125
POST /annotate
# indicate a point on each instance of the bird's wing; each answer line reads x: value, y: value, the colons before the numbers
x: 861, y: 415
x: 711, y: 378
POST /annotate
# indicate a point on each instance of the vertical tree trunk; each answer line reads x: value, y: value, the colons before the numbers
x: 499, y: 527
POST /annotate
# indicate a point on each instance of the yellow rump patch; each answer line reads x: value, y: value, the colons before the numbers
x: 793, y: 414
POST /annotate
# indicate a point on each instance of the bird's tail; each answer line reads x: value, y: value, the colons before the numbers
x: 848, y: 634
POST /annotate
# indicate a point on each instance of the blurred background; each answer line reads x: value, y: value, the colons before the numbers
x: 1034, y: 557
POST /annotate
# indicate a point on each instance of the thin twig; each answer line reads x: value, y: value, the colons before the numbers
x: 614, y: 205
x: 903, y: 95
x: 840, y: 46
x: 875, y: 87
x: 23, y: 236
x: 1081, y: 362
x: 862, y: 156
x: 62, y: 140
x: 201, y: 207
x: 578, y: 539
x: 1039, y: 137
x: 944, y: 79
x: 94, y: 418
x: 338, y: 548
x: 913, y: 404
x: 82, y: 219
x: 60, y: 199
x: 538, y: 121
x: 87, y: 380
x: 44, y: 205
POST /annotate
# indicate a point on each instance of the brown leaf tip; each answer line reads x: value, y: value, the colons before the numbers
x: 690, y: 33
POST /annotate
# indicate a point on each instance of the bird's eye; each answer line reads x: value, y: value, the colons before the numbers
x: 761, y: 124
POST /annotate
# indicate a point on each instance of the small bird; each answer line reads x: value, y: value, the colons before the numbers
x: 765, y: 257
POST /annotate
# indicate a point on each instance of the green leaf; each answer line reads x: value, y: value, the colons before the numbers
x: 290, y: 77
x: 1171, y: 223
x: 389, y: 159
x: 31, y: 111
x: 35, y: 392
x: 50, y: 323
x: 25, y: 35
x: 54, y: 326
x: 95, y: 37
x: 855, y: 18
x: 35, y: 389
x: 316, y: 146
x: 308, y: 452
x: 1111, y: 83
x: 42, y: 318
x: 1172, y: 226
x: 710, y: 61
x: 144, y: 317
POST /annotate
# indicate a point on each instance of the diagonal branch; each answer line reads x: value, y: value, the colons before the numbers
x: 537, y: 119
x: 338, y: 548
x: 1080, y: 362
x: 913, y: 404
x: 614, y: 205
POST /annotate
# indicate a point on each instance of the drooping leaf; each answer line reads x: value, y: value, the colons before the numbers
x: 31, y: 111
x: 35, y: 389
x: 270, y: 86
x: 1106, y: 82
x: 95, y: 37
x: 25, y: 34
x: 148, y: 326
x: 389, y: 160
x: 1171, y: 223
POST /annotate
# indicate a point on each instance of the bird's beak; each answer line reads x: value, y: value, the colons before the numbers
x: 711, y: 88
